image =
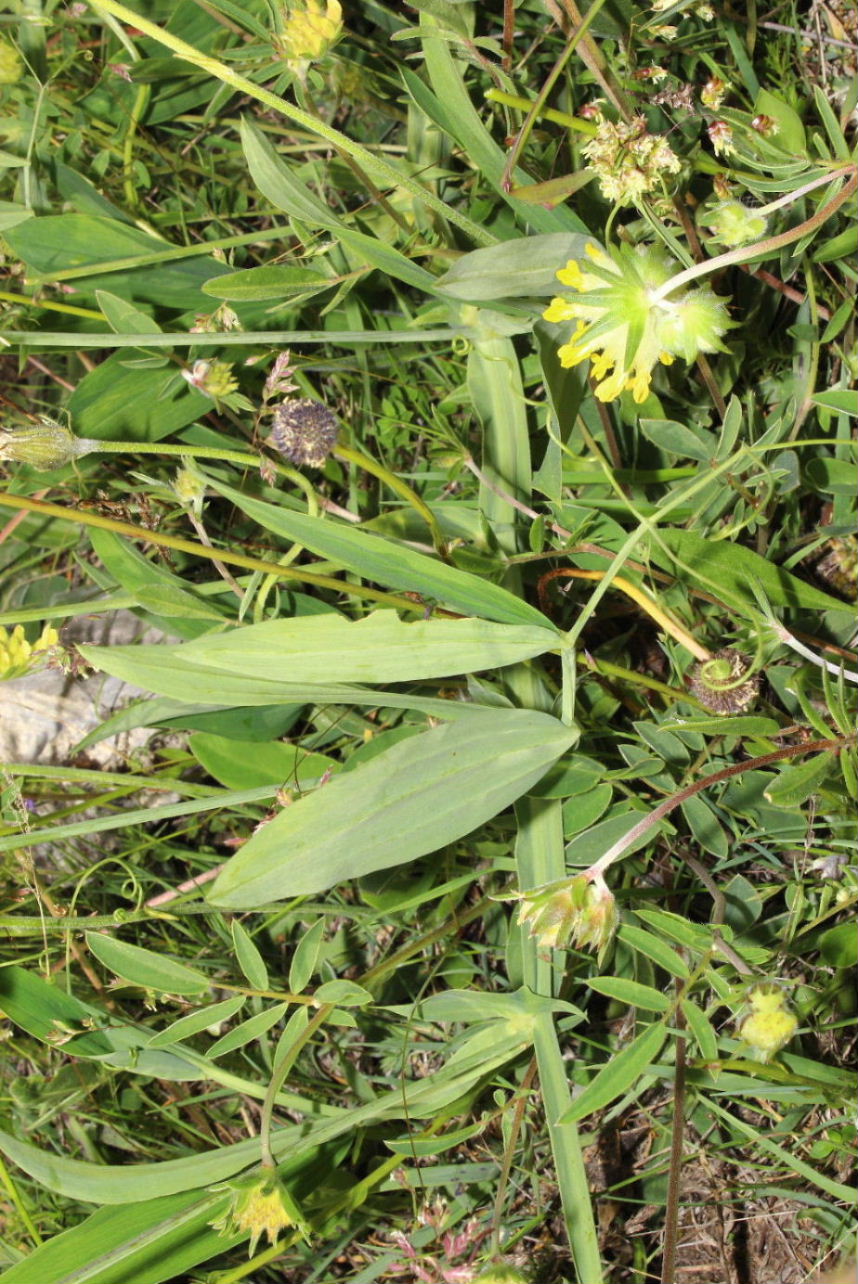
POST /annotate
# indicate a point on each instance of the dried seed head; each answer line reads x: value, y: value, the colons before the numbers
x: 304, y: 431
x: 722, y: 684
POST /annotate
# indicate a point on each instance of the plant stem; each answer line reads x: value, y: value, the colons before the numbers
x: 354, y: 456
x: 9, y: 500
x: 744, y: 254
x: 736, y: 769
x: 638, y: 595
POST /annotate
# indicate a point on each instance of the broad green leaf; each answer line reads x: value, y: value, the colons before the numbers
x: 57, y: 242
x: 379, y: 648
x: 241, y: 764
x: 412, y: 799
x: 679, y: 439
x: 631, y: 992
x: 147, y: 1242
x: 690, y: 935
x: 654, y: 948
x: 730, y: 569
x: 122, y: 317
x: 838, y: 946
x: 704, y: 825
x: 387, y: 563
x: 250, y: 960
x: 409, y: 1146
x: 113, y: 402
x: 162, y: 669
x: 348, y: 994
x: 306, y: 957
x: 593, y: 843
x: 272, y: 281
x: 145, y: 967
x: 734, y: 725
x: 794, y: 784
x: 618, y: 1075
x: 789, y: 133
x: 522, y: 267
x: 196, y: 1022
x: 271, y: 175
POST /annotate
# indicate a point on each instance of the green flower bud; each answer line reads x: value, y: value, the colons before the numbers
x: 733, y: 223
x: 43, y: 444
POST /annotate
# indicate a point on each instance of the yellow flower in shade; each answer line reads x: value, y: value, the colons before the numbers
x: 578, y: 912
x: 11, y: 66
x: 770, y: 1026
x: 625, y: 323
x: 259, y: 1205
x: 309, y: 28
x: 18, y: 656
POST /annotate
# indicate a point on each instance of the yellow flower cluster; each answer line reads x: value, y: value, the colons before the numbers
x: 309, y: 30
x: 627, y: 319
x: 770, y: 1026
x: 18, y: 656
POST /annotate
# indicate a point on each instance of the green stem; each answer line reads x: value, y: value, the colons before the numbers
x: 9, y: 500
x: 93, y: 446
x: 234, y: 338
x: 354, y: 456
x: 376, y: 164
x: 566, y: 1148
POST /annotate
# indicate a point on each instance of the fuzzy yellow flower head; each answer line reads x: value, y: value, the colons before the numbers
x: 627, y: 321
x: 629, y: 161
x: 578, y: 912
x: 18, y: 656
x: 770, y: 1026
x: 11, y: 66
x: 308, y: 30
x: 259, y: 1205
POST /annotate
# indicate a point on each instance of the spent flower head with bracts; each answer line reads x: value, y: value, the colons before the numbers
x: 304, y: 431
x: 18, y: 656
x: 629, y: 161
x: 626, y: 323
x: 576, y: 913
x: 259, y: 1205
x: 725, y: 684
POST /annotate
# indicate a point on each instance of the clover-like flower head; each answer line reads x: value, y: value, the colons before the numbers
x: 259, y: 1205
x: 629, y: 161
x: 771, y: 1024
x: 578, y: 912
x: 18, y: 656
x: 626, y: 323
x: 309, y: 28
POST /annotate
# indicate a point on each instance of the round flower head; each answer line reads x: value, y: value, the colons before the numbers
x: 304, y: 431
x: 626, y: 323
x: 770, y: 1026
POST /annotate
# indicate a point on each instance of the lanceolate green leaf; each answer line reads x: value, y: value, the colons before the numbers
x: 412, y: 799
x: 145, y: 967
x: 387, y: 563
x: 380, y: 648
x: 730, y: 569
x: 618, y: 1075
